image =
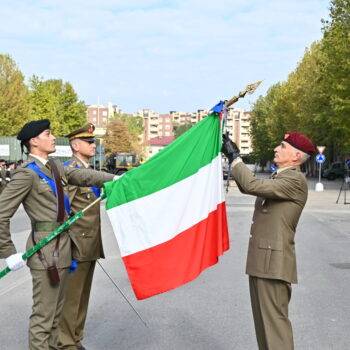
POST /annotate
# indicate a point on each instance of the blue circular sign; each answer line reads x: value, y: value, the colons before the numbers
x: 273, y: 168
x: 347, y: 162
x: 320, y: 158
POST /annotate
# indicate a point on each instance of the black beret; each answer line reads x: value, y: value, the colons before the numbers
x: 33, y: 129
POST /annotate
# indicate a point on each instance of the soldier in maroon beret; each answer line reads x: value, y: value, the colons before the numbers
x: 271, y: 261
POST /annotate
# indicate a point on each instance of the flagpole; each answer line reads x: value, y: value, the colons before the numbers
x: 123, y: 295
x: 54, y: 234
x: 249, y: 89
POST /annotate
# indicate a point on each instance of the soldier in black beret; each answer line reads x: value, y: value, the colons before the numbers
x: 32, y: 129
x: 40, y: 186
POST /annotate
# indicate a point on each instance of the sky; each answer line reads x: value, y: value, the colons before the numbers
x: 163, y: 55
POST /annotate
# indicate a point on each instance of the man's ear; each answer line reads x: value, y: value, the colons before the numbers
x: 75, y: 146
x: 297, y: 157
x: 33, y: 142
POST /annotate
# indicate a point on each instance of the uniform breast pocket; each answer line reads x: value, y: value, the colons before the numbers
x: 43, y: 188
x: 270, y: 254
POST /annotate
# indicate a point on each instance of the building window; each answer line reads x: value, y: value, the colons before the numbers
x: 236, y: 116
x: 94, y: 119
x: 167, y: 126
x: 104, y: 113
x: 94, y: 112
x: 167, y: 133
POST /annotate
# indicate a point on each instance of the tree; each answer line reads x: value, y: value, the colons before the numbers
x: 180, y: 129
x: 57, y: 101
x: 135, y: 129
x: 117, y: 138
x: 336, y: 70
x: 261, y: 142
x: 14, y: 97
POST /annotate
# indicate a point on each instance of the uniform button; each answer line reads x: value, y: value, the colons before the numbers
x: 83, y: 234
x: 269, y: 247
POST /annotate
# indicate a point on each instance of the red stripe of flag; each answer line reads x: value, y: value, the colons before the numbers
x: 181, y: 259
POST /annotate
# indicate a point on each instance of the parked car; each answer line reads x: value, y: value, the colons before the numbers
x: 336, y: 169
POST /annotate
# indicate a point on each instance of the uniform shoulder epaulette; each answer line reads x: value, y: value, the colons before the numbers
x: 73, y: 164
x: 24, y: 164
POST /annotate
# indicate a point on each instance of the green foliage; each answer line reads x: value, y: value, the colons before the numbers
x: 14, y: 97
x: 57, y: 101
x: 180, y: 129
x: 315, y: 99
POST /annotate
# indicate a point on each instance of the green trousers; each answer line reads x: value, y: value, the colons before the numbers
x: 73, y: 317
x: 269, y: 300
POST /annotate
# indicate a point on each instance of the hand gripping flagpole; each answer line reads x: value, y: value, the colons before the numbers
x: 222, y: 107
x: 54, y: 234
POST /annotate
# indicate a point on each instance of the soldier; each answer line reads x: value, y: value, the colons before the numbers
x: 87, y: 235
x: 271, y: 261
x: 3, y: 181
x: 37, y: 184
x: 10, y: 169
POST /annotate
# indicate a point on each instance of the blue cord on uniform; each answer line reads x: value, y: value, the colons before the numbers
x: 73, y: 266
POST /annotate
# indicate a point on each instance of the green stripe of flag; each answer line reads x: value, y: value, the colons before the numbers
x: 182, y: 158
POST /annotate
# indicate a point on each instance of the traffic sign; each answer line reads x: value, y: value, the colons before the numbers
x: 347, y: 162
x: 273, y: 168
x: 320, y: 158
x: 321, y: 148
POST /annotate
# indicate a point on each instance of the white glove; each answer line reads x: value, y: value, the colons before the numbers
x: 116, y: 177
x: 15, y: 261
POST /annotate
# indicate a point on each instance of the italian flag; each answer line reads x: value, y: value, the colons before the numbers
x: 169, y: 214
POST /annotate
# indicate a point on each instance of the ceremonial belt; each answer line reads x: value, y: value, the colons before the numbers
x: 51, y: 183
x: 96, y: 190
x: 45, y: 226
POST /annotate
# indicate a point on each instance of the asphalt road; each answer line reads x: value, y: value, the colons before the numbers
x: 213, y: 312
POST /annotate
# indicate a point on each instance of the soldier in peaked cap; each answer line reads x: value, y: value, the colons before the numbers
x: 271, y: 261
x: 35, y: 185
x: 87, y: 235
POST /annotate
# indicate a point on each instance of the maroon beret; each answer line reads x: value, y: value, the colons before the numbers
x: 299, y: 141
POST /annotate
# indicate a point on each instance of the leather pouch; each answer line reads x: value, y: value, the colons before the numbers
x: 53, y: 275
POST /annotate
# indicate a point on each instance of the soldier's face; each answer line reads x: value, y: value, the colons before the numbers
x: 44, y: 142
x: 86, y: 148
x: 285, y: 155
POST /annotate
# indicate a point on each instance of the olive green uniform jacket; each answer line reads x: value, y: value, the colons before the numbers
x: 86, y: 232
x: 39, y: 203
x: 3, y: 181
x: 279, y: 203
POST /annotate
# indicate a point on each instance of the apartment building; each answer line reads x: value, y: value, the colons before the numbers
x: 155, y: 124
x: 99, y: 115
x: 238, y: 123
x: 160, y: 126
